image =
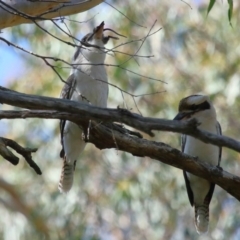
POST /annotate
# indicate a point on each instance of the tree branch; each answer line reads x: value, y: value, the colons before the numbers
x: 108, y: 135
x: 22, y: 11
x: 25, y: 152
x: 66, y: 109
x: 7, y: 154
x: 105, y: 137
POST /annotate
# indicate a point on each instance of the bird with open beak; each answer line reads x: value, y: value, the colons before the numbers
x: 88, y: 84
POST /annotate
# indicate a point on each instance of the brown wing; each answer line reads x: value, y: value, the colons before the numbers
x: 66, y: 93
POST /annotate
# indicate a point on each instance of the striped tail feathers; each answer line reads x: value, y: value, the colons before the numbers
x: 202, y: 218
x: 67, y: 174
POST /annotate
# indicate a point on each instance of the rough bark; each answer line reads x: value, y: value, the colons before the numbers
x: 109, y: 135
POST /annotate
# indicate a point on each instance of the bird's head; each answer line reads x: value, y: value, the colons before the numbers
x: 196, y: 106
x: 96, y: 37
x: 92, y: 44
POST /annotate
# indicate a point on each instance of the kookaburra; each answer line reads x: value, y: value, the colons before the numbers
x: 199, y: 190
x: 87, y: 83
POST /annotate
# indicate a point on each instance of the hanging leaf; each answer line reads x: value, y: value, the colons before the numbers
x: 211, y: 3
x: 230, y: 10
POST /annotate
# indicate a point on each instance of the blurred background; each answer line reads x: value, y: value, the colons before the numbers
x: 117, y: 196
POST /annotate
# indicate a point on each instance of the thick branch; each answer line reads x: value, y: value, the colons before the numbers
x: 114, y: 136
x: 107, y: 137
x: 26, y: 11
x: 110, y: 135
x: 66, y: 109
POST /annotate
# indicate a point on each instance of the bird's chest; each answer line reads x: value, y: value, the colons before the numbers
x: 92, y: 85
x: 204, y: 152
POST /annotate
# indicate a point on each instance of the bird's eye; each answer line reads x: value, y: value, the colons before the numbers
x: 194, y: 107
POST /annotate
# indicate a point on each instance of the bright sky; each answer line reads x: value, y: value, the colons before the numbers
x: 11, y: 64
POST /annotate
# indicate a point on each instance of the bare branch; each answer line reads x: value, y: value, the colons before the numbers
x: 7, y: 154
x: 25, y: 152
x: 101, y: 136
x: 62, y: 108
x: 109, y: 135
x: 143, y: 41
x: 17, y: 12
x: 124, y: 14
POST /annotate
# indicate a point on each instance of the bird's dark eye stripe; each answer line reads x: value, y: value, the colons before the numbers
x: 194, y: 107
x: 203, y: 106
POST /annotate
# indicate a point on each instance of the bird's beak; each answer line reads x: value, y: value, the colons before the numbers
x: 180, y: 116
x: 99, y: 31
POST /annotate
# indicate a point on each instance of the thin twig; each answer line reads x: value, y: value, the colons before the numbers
x: 68, y: 34
x: 186, y: 3
x: 140, y: 44
x: 123, y: 14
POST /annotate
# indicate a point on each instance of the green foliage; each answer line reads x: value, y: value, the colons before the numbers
x: 211, y: 3
x: 230, y: 9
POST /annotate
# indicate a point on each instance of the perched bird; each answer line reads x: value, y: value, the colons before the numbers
x: 199, y: 190
x: 87, y: 83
